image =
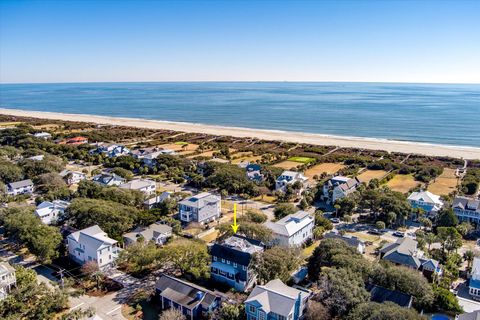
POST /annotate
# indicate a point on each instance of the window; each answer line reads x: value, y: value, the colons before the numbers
x: 252, y: 309
x: 261, y: 315
x: 223, y: 260
x: 234, y: 264
x: 244, y: 268
x: 215, y: 258
x: 228, y: 261
x: 100, y: 260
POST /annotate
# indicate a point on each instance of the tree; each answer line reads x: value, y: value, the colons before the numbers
x: 49, y: 182
x: 188, y: 256
x: 446, y: 218
x: 140, y: 257
x: 256, y: 217
x: 450, y: 238
x: 249, y: 229
x: 316, y: 311
x: 380, y: 225
x: 283, y: 209
x: 430, y: 239
x: 446, y: 301
x: 171, y: 314
x: 346, y: 206
x: 464, y: 228
x: 276, y: 263
x: 468, y: 256
x: 321, y: 221
x: 341, y: 290
x: 93, y: 272
x: 426, y: 223
x: 383, y: 311
x: 10, y: 172
x: 230, y: 312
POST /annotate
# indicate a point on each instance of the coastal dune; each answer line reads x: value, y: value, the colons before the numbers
x: 287, y: 136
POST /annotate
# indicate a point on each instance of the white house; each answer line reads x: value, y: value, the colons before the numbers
x: 474, y: 284
x: 72, y: 177
x: 339, y: 187
x: 292, y: 230
x: 7, y: 279
x: 49, y: 212
x: 92, y: 244
x: 155, y: 201
x: 111, y: 150
x: 289, y: 178
x: 108, y: 179
x: 144, y: 185
x: 425, y: 200
x: 202, y: 208
x: 20, y: 187
x: 156, y: 232
x: 276, y: 300
x: 42, y: 135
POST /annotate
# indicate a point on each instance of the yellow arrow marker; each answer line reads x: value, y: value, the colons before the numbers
x: 234, y: 225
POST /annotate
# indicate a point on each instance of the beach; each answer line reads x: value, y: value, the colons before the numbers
x: 287, y: 136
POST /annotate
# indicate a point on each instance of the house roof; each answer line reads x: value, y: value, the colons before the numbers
x: 105, y: 178
x: 475, y: 315
x: 137, y: 184
x: 348, y: 239
x: 293, y: 175
x: 21, y: 184
x: 200, y: 200
x: 5, y: 268
x: 276, y: 297
x: 381, y: 294
x: 253, y: 167
x: 46, y: 207
x: 158, y: 199
x: 150, y: 232
x: 425, y: 196
x: 184, y: 293
x: 237, y: 249
x: 476, y: 268
x: 402, y: 252
x: 350, y: 184
x: 291, y: 224
x: 93, y: 235
x: 66, y: 172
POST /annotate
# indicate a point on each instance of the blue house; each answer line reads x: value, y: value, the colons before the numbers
x: 276, y: 301
x: 192, y: 300
x: 231, y: 262
x: 425, y: 200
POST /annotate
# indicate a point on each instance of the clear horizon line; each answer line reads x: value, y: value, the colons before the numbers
x: 240, y: 81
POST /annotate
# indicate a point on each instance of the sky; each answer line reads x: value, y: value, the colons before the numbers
x: 371, y: 41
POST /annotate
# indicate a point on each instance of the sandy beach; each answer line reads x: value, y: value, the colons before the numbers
x: 309, y: 138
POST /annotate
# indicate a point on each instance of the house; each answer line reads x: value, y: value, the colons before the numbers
x: 146, y: 186
x: 72, y: 177
x: 381, y: 295
x: 92, y: 244
x: 202, y: 208
x: 42, y: 135
x: 254, y: 172
x: 111, y: 150
x: 292, y: 230
x: 275, y: 300
x: 193, y: 301
x: 425, y: 200
x: 475, y: 315
x: 155, y: 201
x: 339, y: 187
x: 289, y: 178
x: 467, y: 209
x: 49, y: 212
x: 74, y: 141
x: 149, y: 155
x: 20, y: 187
x: 405, y: 252
x: 231, y: 262
x: 108, y: 179
x: 156, y: 232
x: 350, y: 240
x: 474, y: 282
x: 7, y: 279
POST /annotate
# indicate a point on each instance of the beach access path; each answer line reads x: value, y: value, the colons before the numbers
x: 296, y: 137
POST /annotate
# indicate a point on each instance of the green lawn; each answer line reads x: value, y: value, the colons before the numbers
x: 181, y: 143
x: 302, y: 159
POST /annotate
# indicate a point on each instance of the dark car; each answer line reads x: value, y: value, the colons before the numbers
x: 375, y: 232
x: 399, y: 234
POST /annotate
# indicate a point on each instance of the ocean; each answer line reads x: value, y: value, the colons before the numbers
x: 446, y: 114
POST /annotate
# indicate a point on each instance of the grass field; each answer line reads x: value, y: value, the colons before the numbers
x: 206, y: 154
x: 179, y: 147
x: 181, y: 143
x: 249, y: 159
x: 368, y: 175
x: 402, y: 183
x: 328, y: 168
x: 9, y: 124
x: 287, y: 164
x: 445, y: 184
x: 303, y: 160
x: 210, y: 237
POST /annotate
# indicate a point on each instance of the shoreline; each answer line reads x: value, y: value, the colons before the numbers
x: 427, y: 149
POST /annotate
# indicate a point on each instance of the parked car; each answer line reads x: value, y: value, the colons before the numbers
x: 335, y: 220
x: 399, y: 234
x: 375, y: 232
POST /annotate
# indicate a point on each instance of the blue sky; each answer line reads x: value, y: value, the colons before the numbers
x: 78, y: 41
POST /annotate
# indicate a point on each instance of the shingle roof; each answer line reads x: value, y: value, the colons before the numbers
x: 402, y: 252
x: 5, y: 268
x: 465, y: 203
x: 200, y: 200
x: 276, y: 297
x: 184, y: 293
x: 148, y: 233
x: 475, y: 315
x: 94, y: 235
x: 348, y: 239
x: 237, y: 249
x: 425, y: 196
x: 381, y: 294
x: 137, y: 184
x: 21, y: 184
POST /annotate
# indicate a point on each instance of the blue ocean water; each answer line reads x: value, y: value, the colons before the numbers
x: 432, y: 113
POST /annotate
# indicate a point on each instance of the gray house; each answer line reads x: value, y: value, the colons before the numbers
x: 156, y: 232
x: 467, y: 209
x: 350, y: 240
x: 202, y: 208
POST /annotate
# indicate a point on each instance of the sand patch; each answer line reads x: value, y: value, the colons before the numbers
x: 445, y: 184
x: 327, y: 167
x: 179, y: 147
x: 368, y: 175
x: 402, y: 183
x: 287, y: 164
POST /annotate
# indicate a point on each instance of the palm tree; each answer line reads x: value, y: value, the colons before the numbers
x: 429, y: 239
x: 468, y: 256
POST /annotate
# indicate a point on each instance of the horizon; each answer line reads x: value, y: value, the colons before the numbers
x: 417, y: 42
